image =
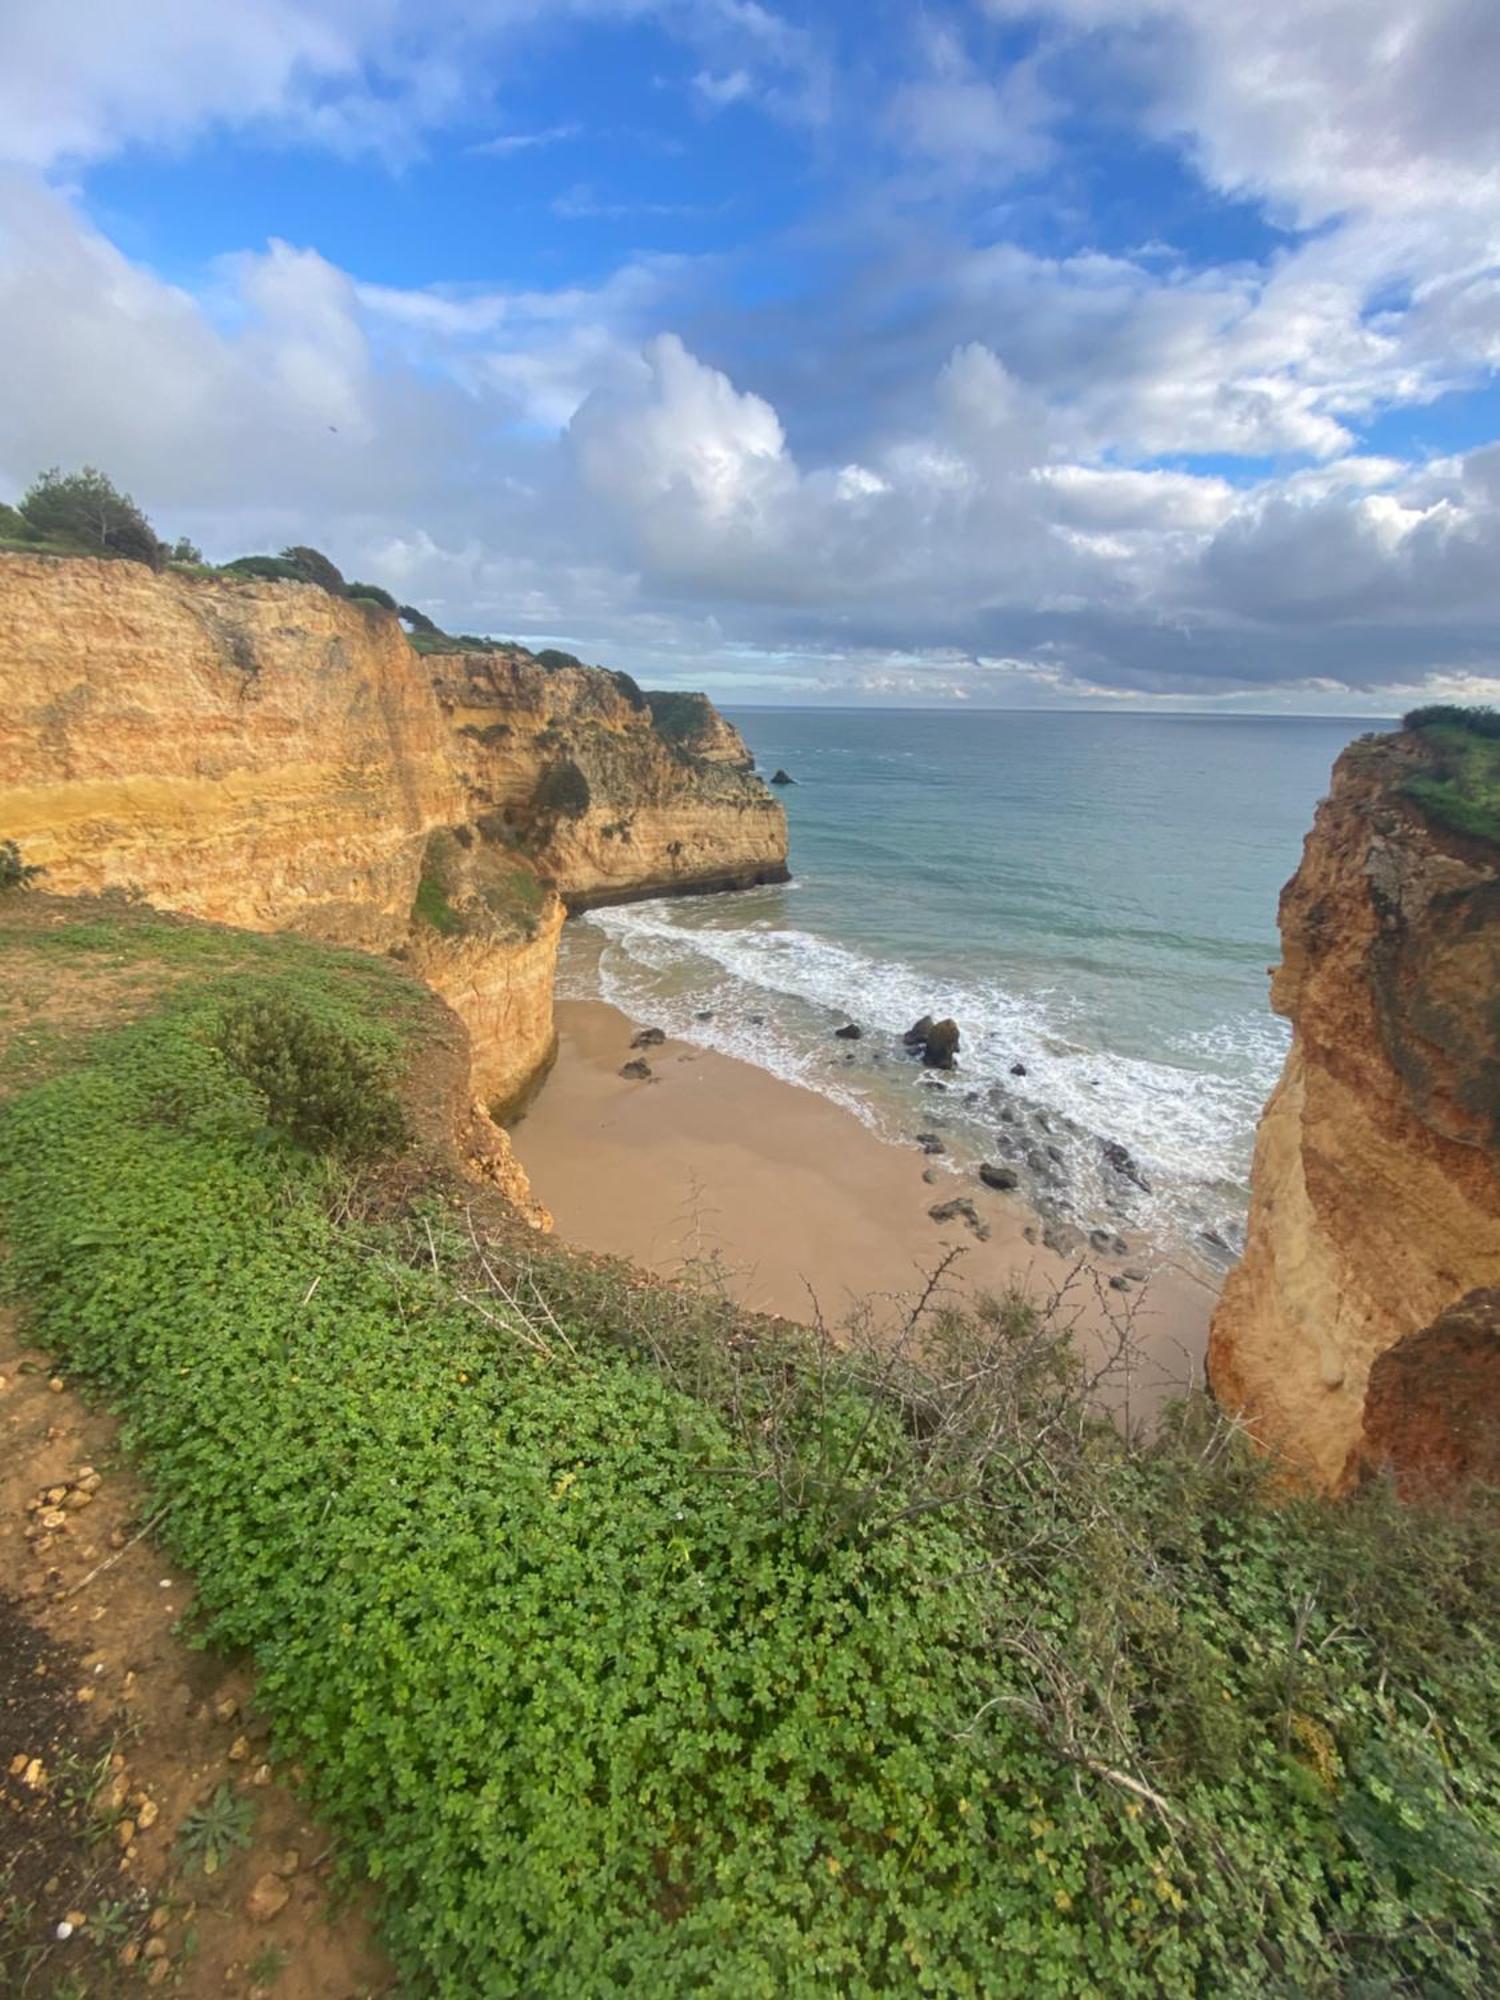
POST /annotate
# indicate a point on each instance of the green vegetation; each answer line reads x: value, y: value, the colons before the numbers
x: 81, y: 513
x: 630, y: 1645
x: 14, y: 872
x: 678, y: 718
x: 213, y: 1832
x: 562, y: 788
x: 371, y: 593
x: 478, y: 891
x: 323, y: 1084
x: 1461, y: 789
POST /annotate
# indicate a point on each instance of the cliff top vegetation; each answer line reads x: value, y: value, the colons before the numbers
x: 84, y: 514
x: 1461, y: 790
x: 628, y: 1642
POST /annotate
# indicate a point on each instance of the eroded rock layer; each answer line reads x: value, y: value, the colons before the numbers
x: 1360, y: 1328
x: 271, y: 756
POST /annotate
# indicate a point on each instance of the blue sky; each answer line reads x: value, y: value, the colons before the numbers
x: 1096, y: 351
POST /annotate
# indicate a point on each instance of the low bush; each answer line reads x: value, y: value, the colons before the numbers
x: 14, y: 872
x: 678, y: 718
x: 370, y: 593
x: 325, y: 1087
x: 628, y: 1646
x: 1461, y: 788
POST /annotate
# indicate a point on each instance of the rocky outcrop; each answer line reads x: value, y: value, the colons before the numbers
x: 269, y: 755
x: 1360, y: 1328
x: 612, y: 793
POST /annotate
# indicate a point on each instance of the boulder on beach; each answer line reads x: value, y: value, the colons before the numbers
x: 704, y: 1014
x: 852, y: 1033
x: 916, y: 1035
x: 648, y: 1038
x: 930, y: 1142
x: 1001, y: 1178
x: 637, y: 1071
x: 961, y: 1209
x: 780, y: 777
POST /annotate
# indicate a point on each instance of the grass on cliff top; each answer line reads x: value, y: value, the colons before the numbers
x: 630, y: 1646
x: 1462, y: 790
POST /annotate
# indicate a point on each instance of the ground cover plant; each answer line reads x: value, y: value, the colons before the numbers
x: 1462, y: 788
x: 630, y: 1645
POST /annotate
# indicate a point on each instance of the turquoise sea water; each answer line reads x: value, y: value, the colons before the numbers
x: 1092, y: 896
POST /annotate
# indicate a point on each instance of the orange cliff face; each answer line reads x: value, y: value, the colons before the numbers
x: 267, y: 755
x: 614, y: 794
x: 1362, y: 1327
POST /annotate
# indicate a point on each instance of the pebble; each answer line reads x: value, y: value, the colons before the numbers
x: 239, y: 1749
x: 267, y: 1899
x: 57, y: 1385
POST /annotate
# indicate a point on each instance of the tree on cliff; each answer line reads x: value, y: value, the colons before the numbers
x: 86, y: 508
x: 314, y: 567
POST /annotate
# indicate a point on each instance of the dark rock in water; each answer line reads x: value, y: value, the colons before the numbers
x: 1213, y: 1236
x: 1101, y: 1239
x: 756, y: 1020
x: 1008, y: 1115
x: 853, y: 1033
x: 941, y: 1046
x: 1121, y: 1246
x: 1117, y: 1157
x: 930, y: 1175
x: 1119, y: 1284
x: 637, y: 1071
x: 1018, y: 1069
x: 780, y: 777
x: 648, y: 1038
x: 848, y: 1059
x: 1055, y: 1154
x: 1038, y: 1162
x: 704, y: 1014
x: 1003, y: 1178
x: 932, y: 1083
x: 930, y: 1142
x: 971, y: 1097
x: 1041, y: 1120
x: 918, y: 1032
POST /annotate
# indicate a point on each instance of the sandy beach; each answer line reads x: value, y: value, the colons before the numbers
x: 715, y: 1168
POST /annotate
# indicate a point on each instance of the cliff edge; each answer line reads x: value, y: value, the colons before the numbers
x: 273, y: 756
x: 1362, y: 1327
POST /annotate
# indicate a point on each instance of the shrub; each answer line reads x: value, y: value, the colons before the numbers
x: 1440, y: 715
x: 552, y: 659
x: 184, y: 551
x: 274, y: 569
x: 418, y: 620
x: 320, y: 1085
x: 371, y: 593
x: 314, y: 567
x: 1460, y: 789
x: 14, y: 527
x: 14, y: 872
x: 86, y: 509
x: 564, y: 789
x: 678, y: 718
x: 630, y: 688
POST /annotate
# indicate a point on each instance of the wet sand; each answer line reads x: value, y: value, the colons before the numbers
x: 717, y: 1170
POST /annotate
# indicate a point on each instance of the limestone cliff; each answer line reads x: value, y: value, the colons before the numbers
x: 1360, y: 1328
x: 269, y: 755
x: 614, y: 794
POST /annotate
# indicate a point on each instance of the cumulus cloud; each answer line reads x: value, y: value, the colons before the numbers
x: 613, y: 464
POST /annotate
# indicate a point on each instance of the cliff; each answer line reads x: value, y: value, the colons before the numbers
x: 612, y: 793
x: 268, y: 755
x: 1361, y: 1329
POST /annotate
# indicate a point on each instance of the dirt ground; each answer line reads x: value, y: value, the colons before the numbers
x: 124, y: 1753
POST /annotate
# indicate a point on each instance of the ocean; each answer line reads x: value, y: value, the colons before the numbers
x: 1092, y: 897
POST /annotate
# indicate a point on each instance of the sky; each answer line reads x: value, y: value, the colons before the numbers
x: 1082, y: 353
